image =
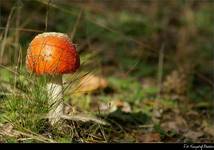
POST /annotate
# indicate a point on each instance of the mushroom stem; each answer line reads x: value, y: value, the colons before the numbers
x: 55, y: 98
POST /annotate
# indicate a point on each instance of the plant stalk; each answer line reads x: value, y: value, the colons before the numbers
x: 55, y: 98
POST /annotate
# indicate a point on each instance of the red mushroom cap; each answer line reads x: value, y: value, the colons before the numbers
x: 52, y: 53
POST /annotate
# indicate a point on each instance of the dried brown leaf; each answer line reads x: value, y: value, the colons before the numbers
x: 178, y: 124
x: 150, y: 137
x: 7, y: 130
x: 91, y: 83
x: 120, y: 104
x: 193, y: 135
x: 209, y: 130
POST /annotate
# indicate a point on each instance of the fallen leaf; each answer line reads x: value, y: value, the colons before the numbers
x: 169, y: 126
x: 104, y: 106
x: 192, y: 114
x: 193, y: 135
x: 150, y: 137
x: 7, y: 129
x: 180, y: 121
x: 119, y: 104
x: 148, y: 83
x: 178, y: 124
x: 115, y: 105
x: 91, y: 83
x: 209, y: 130
x: 68, y: 109
x: 157, y: 113
x: 203, y: 105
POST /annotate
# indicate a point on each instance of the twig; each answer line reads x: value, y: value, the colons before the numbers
x: 6, y: 33
x: 29, y: 135
x: 47, y: 15
x: 84, y: 118
x: 76, y: 25
x: 35, y: 134
x: 23, y: 29
x: 146, y: 126
x: 38, y: 137
x: 205, y: 79
x: 160, y: 70
x: 9, y: 88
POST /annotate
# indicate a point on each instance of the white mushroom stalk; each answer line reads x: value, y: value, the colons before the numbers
x: 55, y: 98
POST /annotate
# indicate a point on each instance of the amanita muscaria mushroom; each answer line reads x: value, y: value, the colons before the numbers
x: 53, y: 54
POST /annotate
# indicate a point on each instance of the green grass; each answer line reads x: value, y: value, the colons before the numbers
x: 26, y: 110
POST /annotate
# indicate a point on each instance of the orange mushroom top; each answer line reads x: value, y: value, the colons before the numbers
x: 52, y: 53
